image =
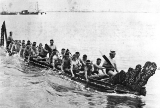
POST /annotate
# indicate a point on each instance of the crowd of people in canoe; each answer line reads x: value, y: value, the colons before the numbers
x: 66, y: 62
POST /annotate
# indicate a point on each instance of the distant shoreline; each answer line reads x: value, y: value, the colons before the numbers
x: 103, y: 11
x: 18, y: 13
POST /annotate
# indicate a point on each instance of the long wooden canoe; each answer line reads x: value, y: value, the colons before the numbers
x: 99, y: 84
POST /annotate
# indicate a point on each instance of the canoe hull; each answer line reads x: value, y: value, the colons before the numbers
x: 103, y: 86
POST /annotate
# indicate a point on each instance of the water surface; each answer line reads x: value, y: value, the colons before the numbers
x: 134, y: 36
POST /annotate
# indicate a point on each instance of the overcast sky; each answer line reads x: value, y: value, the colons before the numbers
x: 82, y: 5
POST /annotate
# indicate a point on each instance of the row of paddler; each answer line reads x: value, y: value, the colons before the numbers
x: 135, y: 79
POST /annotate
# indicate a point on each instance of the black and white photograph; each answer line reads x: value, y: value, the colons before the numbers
x: 80, y: 54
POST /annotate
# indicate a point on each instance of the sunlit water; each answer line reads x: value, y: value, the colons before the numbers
x: 134, y: 36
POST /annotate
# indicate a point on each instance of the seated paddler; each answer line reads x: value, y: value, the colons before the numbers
x: 54, y: 58
x: 75, y: 65
x: 62, y: 54
x: 52, y: 46
x: 42, y: 52
x: 68, y: 51
x: 88, y: 69
x: 23, y: 42
x: 111, y: 66
x: 83, y: 62
x: 66, y: 64
x: 27, y: 52
x: 22, y: 50
x: 14, y: 49
x: 18, y: 45
x: 28, y: 43
x: 34, y: 50
x: 98, y: 67
x: 10, y: 47
x: 78, y: 55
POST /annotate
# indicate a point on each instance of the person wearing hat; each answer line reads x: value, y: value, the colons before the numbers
x: 111, y: 68
x: 88, y: 69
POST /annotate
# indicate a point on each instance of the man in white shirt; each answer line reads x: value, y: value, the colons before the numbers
x: 111, y: 68
x: 52, y: 46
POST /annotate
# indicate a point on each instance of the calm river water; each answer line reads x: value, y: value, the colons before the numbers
x: 134, y: 36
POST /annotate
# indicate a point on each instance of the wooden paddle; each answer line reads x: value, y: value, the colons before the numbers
x: 107, y: 60
x: 48, y: 48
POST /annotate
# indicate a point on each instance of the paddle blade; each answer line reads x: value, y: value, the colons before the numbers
x: 48, y: 48
x: 107, y: 60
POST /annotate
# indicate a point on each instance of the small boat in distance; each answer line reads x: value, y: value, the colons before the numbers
x: 8, y: 13
x: 37, y: 12
x: 26, y: 12
x: 23, y: 12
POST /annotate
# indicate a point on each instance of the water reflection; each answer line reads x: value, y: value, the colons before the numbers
x: 113, y: 101
x: 124, y: 101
